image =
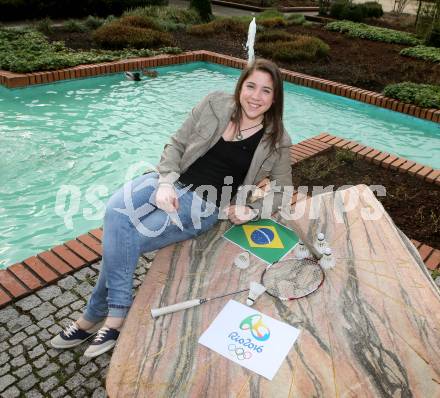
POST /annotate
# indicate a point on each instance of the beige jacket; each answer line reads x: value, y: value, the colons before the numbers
x: 201, y: 131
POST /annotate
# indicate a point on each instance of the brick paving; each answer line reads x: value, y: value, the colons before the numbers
x: 29, y: 366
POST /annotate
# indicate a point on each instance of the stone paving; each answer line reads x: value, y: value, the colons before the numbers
x: 29, y: 366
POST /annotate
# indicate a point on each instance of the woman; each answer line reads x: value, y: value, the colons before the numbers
x: 226, y: 143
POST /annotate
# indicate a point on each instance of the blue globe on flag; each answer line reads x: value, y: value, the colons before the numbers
x: 262, y: 236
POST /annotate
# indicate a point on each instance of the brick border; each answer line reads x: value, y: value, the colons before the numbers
x: 24, y: 278
x: 16, y: 80
x: 382, y: 159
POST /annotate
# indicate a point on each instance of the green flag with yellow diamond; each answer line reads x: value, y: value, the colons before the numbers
x: 265, y: 239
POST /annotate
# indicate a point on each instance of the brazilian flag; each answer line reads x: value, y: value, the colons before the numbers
x: 265, y: 239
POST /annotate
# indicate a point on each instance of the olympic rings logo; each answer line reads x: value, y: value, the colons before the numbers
x: 256, y: 326
x: 239, y: 352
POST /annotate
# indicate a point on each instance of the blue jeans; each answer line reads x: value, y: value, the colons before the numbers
x: 128, y: 234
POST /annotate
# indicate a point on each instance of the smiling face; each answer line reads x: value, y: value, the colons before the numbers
x: 256, y: 95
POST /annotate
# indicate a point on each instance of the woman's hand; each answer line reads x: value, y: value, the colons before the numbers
x: 239, y: 214
x: 166, y: 198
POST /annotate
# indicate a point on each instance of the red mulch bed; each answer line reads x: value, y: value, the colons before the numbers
x: 362, y: 63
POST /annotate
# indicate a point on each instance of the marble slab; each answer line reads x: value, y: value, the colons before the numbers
x: 371, y: 330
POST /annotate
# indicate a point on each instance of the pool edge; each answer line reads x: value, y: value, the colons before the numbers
x: 20, y: 80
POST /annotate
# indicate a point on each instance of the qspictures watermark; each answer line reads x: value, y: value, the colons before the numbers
x: 346, y: 198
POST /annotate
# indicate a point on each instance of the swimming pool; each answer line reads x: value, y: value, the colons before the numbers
x: 85, y: 133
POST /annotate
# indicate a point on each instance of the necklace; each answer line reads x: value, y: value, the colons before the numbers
x: 239, y: 136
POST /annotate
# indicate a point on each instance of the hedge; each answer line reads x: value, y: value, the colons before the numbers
x: 29, y: 51
x: 424, y: 95
x: 283, y: 46
x: 363, y: 31
x: 131, y: 32
x: 426, y: 53
x: 33, y: 9
x: 343, y: 9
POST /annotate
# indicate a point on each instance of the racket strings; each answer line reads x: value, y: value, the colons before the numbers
x: 293, y: 278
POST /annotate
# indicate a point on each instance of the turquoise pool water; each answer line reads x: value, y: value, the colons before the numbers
x: 86, y: 133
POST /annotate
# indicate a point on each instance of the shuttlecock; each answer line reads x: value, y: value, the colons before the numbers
x: 256, y: 290
x: 327, y: 260
x: 242, y: 260
x: 320, y: 243
x: 302, y: 251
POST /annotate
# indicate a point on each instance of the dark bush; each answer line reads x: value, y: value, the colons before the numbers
x: 434, y: 37
x: 72, y: 25
x: 373, y: 9
x: 34, y: 9
x: 203, y: 7
x: 337, y: 8
x: 93, y: 22
x: 343, y: 9
x: 354, y: 12
x: 122, y: 33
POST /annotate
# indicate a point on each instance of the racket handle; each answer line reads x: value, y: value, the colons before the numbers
x: 155, y: 312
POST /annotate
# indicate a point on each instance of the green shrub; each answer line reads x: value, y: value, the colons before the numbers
x: 373, y: 9
x: 27, y: 50
x: 22, y: 9
x: 282, y: 46
x: 116, y: 35
x: 353, y: 12
x: 296, y: 19
x: 139, y: 22
x: 269, y: 14
x: 219, y: 25
x: 424, y: 95
x: 44, y: 26
x: 276, y: 22
x: 363, y: 31
x: 203, y: 8
x: 345, y: 156
x: 434, y: 37
x: 426, y: 53
x: 274, y: 35
x: 167, y: 14
x: 93, y: 23
x: 72, y: 25
x: 344, y: 9
x: 340, y: 9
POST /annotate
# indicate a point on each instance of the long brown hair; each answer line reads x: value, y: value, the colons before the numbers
x: 274, y: 115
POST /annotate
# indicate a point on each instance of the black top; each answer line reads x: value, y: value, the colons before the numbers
x: 225, y: 158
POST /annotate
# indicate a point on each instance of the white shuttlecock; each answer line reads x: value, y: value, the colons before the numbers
x: 302, y: 251
x: 256, y: 290
x: 320, y: 243
x: 327, y: 260
x: 242, y: 260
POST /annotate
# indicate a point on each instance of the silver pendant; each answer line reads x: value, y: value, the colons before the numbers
x: 239, y: 136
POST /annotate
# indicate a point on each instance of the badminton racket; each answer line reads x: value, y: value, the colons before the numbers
x: 293, y: 278
x: 156, y: 312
